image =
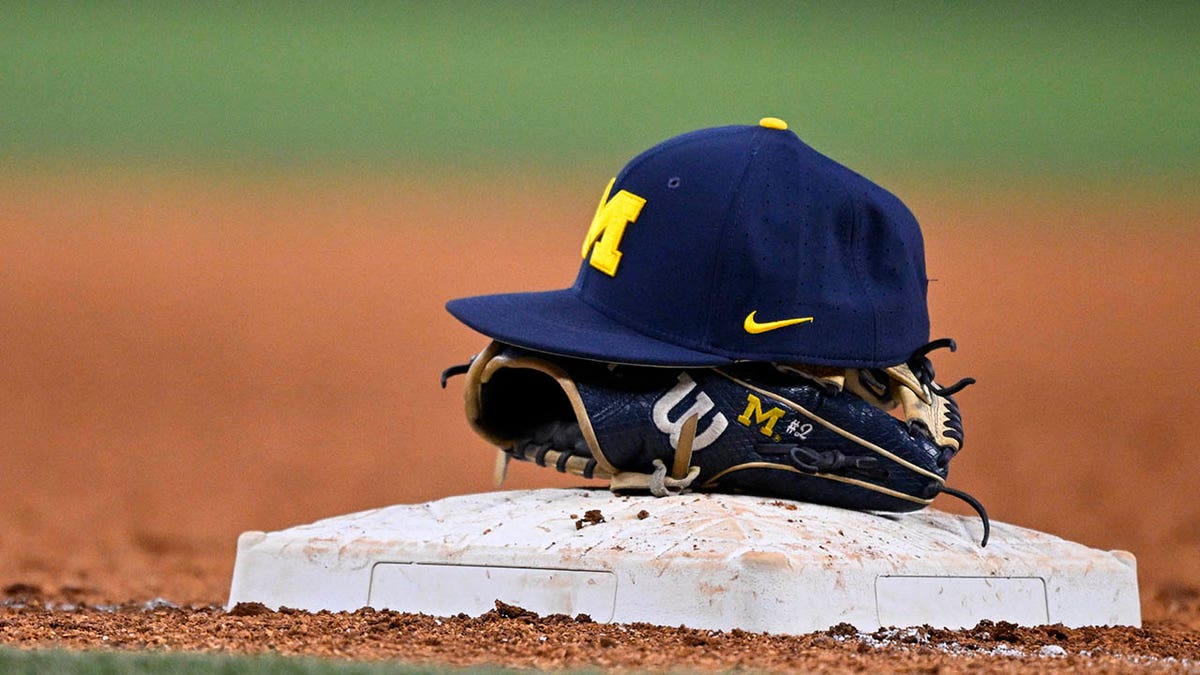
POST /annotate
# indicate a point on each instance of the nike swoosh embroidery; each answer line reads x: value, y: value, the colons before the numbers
x: 754, y: 327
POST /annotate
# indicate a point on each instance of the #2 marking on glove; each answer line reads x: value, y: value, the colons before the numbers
x: 754, y: 327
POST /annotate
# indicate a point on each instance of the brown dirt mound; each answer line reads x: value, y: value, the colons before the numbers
x: 185, y: 360
x: 514, y: 637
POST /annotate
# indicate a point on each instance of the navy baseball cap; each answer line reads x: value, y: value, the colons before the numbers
x: 736, y: 243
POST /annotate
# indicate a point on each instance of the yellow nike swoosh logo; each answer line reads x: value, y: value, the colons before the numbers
x: 754, y: 327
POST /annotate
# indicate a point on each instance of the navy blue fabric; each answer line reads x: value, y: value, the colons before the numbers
x: 622, y: 420
x: 626, y: 412
x: 737, y: 219
x: 558, y: 322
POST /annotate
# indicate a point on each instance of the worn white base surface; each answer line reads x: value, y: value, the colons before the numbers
x: 705, y: 561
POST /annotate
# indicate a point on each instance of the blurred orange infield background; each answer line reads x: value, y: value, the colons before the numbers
x: 184, y: 360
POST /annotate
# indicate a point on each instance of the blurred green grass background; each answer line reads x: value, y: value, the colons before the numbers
x: 1100, y: 93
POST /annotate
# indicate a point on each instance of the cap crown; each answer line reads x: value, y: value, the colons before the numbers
x: 745, y: 243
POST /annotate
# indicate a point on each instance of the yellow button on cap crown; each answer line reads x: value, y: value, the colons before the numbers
x: 772, y: 123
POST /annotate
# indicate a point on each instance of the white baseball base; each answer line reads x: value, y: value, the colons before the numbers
x: 704, y: 561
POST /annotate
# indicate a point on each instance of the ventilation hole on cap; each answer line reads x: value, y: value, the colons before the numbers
x: 673, y: 182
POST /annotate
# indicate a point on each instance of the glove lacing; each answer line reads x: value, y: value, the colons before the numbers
x: 456, y: 369
x: 922, y: 367
x: 833, y: 461
x: 975, y: 504
x: 813, y: 461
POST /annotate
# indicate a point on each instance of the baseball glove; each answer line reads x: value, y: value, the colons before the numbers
x: 879, y: 439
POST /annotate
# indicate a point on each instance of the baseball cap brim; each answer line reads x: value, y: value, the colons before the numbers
x: 560, y: 322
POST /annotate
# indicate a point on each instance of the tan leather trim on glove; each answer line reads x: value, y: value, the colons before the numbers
x: 770, y: 466
x: 489, y: 361
x: 920, y: 403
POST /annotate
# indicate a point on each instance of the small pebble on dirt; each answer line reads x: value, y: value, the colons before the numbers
x: 249, y: 609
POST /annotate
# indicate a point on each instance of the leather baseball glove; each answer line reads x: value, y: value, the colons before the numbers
x: 878, y: 439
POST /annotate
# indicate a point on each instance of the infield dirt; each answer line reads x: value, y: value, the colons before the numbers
x: 183, y: 360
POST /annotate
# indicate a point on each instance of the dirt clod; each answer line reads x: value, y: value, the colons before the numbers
x: 508, y: 611
x: 591, y: 517
x: 249, y: 609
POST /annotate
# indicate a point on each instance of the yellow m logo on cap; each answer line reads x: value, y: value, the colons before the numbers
x: 608, y: 226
